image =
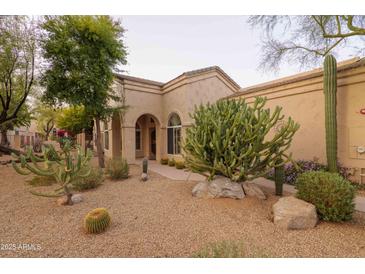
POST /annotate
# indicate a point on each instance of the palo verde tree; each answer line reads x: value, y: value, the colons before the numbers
x: 81, y: 54
x: 17, y: 65
x: 306, y: 40
x: 74, y: 119
x: 238, y: 140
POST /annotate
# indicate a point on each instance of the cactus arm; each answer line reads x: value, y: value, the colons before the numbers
x: 46, y: 194
x: 20, y: 170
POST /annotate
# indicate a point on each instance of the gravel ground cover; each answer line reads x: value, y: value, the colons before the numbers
x: 157, y: 218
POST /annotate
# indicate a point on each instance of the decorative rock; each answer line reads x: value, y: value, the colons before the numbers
x: 200, y: 190
x: 220, y: 187
x: 76, y: 198
x: 253, y: 190
x: 225, y: 188
x: 62, y: 201
x: 144, y: 177
x: 292, y: 213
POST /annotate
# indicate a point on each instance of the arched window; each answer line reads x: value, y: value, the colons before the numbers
x: 174, y: 134
x: 138, y: 137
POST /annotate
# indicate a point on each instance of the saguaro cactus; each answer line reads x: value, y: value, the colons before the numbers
x: 64, y: 167
x: 330, y: 91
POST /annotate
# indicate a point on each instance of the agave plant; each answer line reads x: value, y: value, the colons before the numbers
x: 65, y: 167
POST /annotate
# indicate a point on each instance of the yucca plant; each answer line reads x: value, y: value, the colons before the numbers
x: 65, y: 167
x: 97, y: 220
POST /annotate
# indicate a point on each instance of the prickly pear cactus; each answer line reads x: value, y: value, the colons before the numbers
x: 330, y: 91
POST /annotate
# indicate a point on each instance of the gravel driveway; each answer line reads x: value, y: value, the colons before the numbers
x: 158, y: 218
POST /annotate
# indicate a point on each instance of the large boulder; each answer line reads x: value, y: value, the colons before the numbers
x: 253, y: 190
x: 292, y: 213
x: 220, y: 187
x: 200, y: 190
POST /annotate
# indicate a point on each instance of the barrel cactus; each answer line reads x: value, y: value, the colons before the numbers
x: 97, y: 220
x: 330, y: 91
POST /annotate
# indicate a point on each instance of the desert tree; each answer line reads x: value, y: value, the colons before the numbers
x: 45, y: 118
x: 82, y: 53
x: 18, y: 48
x: 305, y: 40
x: 24, y: 117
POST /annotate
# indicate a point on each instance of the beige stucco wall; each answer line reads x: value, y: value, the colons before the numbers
x: 304, y: 102
x: 179, y: 95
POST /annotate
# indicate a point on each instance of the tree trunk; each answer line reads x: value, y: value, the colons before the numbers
x: 99, y: 148
x: 4, y: 138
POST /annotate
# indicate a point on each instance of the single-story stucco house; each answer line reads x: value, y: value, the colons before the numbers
x: 158, y: 113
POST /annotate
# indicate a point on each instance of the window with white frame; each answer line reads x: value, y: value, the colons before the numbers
x: 174, y: 134
x: 138, y: 137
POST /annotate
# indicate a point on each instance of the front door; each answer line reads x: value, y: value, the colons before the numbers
x: 153, y: 143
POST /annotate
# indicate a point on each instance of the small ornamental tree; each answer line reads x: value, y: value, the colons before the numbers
x: 238, y: 140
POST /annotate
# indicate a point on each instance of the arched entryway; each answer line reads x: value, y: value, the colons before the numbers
x: 147, y: 141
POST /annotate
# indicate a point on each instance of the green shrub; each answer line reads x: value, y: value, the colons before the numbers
x: 180, y: 164
x: 331, y: 194
x: 94, y: 180
x: 42, y: 181
x: 171, y: 162
x: 164, y: 161
x: 224, y: 249
x: 117, y: 169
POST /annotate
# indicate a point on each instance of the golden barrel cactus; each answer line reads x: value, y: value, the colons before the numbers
x: 97, y: 220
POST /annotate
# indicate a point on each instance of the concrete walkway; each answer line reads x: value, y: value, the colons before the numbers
x: 182, y: 175
x: 173, y: 173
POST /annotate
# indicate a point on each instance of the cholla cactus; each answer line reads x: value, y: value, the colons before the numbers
x: 238, y: 140
x: 64, y: 167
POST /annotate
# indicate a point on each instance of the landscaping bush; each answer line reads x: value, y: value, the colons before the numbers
x: 224, y: 249
x: 171, y: 162
x: 94, y: 180
x: 331, y: 194
x: 291, y: 173
x: 179, y: 164
x: 164, y: 161
x: 117, y: 169
x: 237, y: 140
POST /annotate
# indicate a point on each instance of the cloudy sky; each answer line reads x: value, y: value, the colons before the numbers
x: 162, y: 47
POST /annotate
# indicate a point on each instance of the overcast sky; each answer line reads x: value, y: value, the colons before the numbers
x: 162, y: 47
